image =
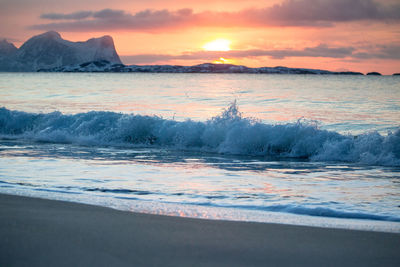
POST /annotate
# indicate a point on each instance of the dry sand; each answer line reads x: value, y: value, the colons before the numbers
x: 37, y: 232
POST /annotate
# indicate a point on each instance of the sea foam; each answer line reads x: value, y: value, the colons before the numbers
x: 228, y: 133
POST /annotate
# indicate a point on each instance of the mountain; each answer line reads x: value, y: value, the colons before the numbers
x: 50, y: 50
x: 106, y: 66
x: 7, y: 55
x: 7, y: 48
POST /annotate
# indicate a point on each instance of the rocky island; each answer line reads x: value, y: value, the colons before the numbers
x: 49, y: 50
x: 106, y: 66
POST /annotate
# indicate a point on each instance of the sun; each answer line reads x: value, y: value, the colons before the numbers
x: 217, y: 45
x: 222, y: 60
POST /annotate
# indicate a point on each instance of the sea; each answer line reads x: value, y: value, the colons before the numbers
x: 314, y: 150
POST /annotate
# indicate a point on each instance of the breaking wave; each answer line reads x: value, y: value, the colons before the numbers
x: 228, y: 133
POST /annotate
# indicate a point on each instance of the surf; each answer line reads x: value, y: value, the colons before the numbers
x: 228, y: 133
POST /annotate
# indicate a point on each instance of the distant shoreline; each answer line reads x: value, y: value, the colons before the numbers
x: 165, y: 72
x: 107, y: 66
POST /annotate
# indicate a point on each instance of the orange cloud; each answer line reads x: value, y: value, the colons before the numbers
x: 294, y: 13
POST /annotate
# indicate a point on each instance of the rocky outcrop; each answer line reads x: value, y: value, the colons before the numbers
x: 374, y: 73
x: 50, y: 50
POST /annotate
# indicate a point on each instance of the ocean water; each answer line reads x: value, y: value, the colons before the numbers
x: 298, y: 149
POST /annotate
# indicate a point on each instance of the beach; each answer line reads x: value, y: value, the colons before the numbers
x: 39, y: 232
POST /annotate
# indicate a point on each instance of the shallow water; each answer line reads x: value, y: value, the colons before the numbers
x: 338, y: 166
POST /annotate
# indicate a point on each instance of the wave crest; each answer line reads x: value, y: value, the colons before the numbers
x: 228, y: 133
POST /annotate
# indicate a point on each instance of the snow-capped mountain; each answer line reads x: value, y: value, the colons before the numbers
x: 50, y: 50
x: 106, y: 66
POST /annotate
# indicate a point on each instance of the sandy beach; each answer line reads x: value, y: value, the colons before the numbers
x: 38, y: 232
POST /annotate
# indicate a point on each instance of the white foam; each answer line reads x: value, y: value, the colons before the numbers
x: 228, y: 133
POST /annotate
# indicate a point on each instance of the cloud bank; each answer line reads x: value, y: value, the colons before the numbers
x: 322, y: 50
x: 294, y: 13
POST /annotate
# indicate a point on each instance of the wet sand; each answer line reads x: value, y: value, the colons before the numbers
x: 38, y: 232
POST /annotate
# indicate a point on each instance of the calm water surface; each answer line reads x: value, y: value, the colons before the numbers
x: 341, y: 103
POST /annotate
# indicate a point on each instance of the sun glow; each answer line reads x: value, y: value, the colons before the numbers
x: 218, y: 45
x: 222, y: 60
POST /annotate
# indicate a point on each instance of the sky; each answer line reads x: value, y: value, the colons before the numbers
x: 337, y: 35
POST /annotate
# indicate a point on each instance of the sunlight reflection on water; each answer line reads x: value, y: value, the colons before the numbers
x: 340, y: 103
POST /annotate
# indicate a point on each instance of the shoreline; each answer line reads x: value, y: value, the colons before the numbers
x: 220, y: 213
x: 41, y: 232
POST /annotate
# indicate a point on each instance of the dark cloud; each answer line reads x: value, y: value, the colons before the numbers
x: 110, y: 14
x: 316, y: 13
x: 321, y: 50
x: 381, y: 52
x: 310, y: 11
x: 72, y: 16
x: 109, y: 19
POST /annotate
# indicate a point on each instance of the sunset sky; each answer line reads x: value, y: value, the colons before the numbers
x: 357, y: 35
